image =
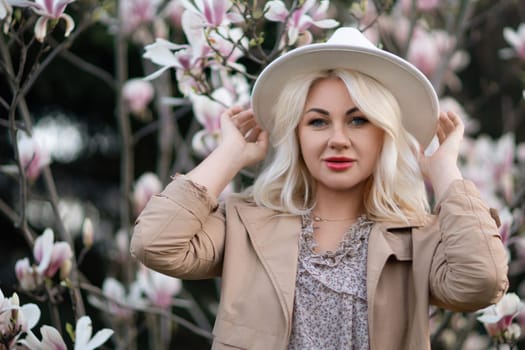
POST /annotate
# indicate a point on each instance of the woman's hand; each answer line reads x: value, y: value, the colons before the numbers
x: 243, y: 143
x: 241, y: 135
x: 441, y: 167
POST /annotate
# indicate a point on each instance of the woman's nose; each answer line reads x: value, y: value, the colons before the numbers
x: 339, y: 138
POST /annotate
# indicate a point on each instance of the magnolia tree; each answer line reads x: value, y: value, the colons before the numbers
x: 196, y: 59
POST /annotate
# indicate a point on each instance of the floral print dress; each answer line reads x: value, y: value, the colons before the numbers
x: 330, y: 305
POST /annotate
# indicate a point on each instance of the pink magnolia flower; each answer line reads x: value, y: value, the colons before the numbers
x: 138, y: 93
x: 222, y: 42
x: 212, y: 13
x: 15, y: 319
x: 50, y: 257
x: 27, y: 275
x: 498, y: 318
x: 47, y: 9
x: 83, y: 332
x: 189, y: 60
x: 113, y: 290
x: 173, y: 11
x: 158, y: 288
x: 51, y: 340
x: 516, y: 38
x: 428, y: 48
x: 138, y: 12
x: 161, y: 53
x: 506, y: 220
x: 122, y: 244
x: 33, y: 156
x: 146, y: 186
x: 208, y: 113
x: 490, y: 164
x: 301, y: 19
x: 366, y: 16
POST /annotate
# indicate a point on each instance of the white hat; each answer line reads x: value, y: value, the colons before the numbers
x: 348, y: 48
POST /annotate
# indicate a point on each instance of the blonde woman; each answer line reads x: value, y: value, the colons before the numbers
x: 334, y: 246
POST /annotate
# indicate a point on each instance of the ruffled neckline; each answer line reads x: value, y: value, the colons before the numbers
x: 351, y: 241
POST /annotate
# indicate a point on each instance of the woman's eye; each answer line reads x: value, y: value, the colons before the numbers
x: 317, y: 122
x: 358, y: 121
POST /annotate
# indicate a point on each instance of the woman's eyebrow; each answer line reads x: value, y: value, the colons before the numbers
x: 325, y: 112
x: 352, y: 110
x: 318, y: 110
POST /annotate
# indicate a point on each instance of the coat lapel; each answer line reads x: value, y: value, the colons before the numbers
x: 378, y: 252
x: 275, y: 239
x: 380, y: 248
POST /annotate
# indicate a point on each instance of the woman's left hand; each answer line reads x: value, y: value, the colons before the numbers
x: 441, y: 167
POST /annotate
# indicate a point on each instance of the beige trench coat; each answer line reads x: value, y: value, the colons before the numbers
x: 455, y: 261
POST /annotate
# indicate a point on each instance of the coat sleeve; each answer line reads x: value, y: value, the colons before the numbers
x: 181, y: 232
x: 469, y: 268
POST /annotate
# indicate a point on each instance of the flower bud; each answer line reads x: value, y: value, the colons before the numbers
x: 65, y: 269
x: 146, y: 186
x: 87, y: 233
x: 138, y: 94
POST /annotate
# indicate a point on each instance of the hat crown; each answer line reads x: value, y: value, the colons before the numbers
x: 350, y: 37
x: 349, y: 49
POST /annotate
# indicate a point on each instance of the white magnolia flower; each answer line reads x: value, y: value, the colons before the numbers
x: 15, y: 319
x: 33, y: 156
x: 516, y: 39
x: 47, y: 9
x: 5, y: 9
x: 83, y: 332
x: 113, y: 290
x: 138, y: 93
x: 147, y: 185
x: 301, y: 19
x: 158, y: 288
x: 498, y: 318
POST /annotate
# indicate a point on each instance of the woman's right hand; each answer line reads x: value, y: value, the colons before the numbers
x: 243, y: 143
x: 244, y: 139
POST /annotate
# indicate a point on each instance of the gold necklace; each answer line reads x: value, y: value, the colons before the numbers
x: 317, y: 218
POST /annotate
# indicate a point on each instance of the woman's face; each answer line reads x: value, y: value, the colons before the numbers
x: 340, y: 147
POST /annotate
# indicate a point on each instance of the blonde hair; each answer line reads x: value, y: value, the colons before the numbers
x: 396, y: 190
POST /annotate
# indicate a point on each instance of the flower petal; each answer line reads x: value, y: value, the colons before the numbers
x: 31, y: 341
x: 61, y: 252
x: 156, y: 74
x: 70, y: 24
x: 326, y: 23
x: 31, y: 313
x: 52, y: 338
x: 83, y: 331
x: 275, y: 11
x: 41, y: 29
x: 100, y: 338
x: 44, y: 249
x: 511, y: 36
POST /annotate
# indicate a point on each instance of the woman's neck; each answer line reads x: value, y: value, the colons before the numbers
x: 339, y: 204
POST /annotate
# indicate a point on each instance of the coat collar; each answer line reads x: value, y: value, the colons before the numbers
x: 275, y: 238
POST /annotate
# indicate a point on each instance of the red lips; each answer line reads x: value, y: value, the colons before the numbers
x: 339, y: 163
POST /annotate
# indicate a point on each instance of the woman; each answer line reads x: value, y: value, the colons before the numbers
x: 333, y: 247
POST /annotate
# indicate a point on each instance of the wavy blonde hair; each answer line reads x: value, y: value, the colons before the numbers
x: 396, y: 189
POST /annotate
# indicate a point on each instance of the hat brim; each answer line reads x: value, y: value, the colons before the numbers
x: 415, y: 95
